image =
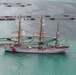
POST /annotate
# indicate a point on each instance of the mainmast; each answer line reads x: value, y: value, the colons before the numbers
x: 19, y: 30
x: 57, y: 35
x: 40, y: 33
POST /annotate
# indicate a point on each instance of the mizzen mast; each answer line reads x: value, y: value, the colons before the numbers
x: 57, y: 35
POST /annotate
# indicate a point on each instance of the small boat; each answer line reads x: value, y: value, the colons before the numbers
x: 42, y: 46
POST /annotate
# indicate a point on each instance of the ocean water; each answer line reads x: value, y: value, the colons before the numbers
x: 40, y: 64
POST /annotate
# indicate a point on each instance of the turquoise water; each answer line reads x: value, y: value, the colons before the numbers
x: 40, y: 64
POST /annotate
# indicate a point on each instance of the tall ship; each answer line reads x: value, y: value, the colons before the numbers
x: 41, y: 46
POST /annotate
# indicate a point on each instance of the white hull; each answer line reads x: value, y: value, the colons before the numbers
x: 26, y: 50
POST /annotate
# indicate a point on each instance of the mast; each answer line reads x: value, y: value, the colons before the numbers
x: 19, y: 30
x: 57, y: 35
x: 40, y: 33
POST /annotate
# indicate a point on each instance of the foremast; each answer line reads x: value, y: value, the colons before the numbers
x: 19, y: 31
